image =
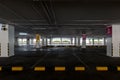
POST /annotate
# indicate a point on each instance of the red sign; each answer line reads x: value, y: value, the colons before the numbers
x: 84, y: 36
x: 109, y: 30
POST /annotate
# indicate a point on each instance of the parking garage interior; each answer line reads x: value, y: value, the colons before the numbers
x: 59, y: 40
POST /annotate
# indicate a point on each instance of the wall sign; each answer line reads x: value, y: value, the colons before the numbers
x: 109, y: 30
x: 37, y: 37
x: 84, y: 36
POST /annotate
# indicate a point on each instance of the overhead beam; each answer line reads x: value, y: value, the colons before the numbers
x: 53, y: 11
x: 41, y: 9
x: 47, y: 10
x: 62, y: 24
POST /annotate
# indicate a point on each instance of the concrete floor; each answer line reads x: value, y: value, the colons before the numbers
x: 60, y: 56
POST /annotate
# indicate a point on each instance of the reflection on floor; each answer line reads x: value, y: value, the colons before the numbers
x: 60, y: 56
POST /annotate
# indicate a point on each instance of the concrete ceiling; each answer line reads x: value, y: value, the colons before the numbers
x: 60, y: 17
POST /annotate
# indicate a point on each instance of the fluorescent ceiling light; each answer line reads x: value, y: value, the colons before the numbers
x: 38, y: 28
x: 21, y: 33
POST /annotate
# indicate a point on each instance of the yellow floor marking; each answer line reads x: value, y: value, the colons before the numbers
x: 118, y: 68
x: 17, y: 68
x: 102, y: 68
x: 79, y: 68
x: 39, y: 69
x: 0, y: 68
x: 59, y: 68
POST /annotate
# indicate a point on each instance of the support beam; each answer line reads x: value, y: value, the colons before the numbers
x: 93, y: 41
x: 75, y: 41
x: 37, y: 41
x: 50, y: 40
x: 109, y: 46
x: 71, y: 40
x: 32, y: 41
x: 16, y: 41
x: 43, y: 44
x: 83, y: 40
x: 61, y: 39
x: 46, y: 41
x: 28, y: 41
x: 79, y: 41
x: 47, y: 10
x: 109, y: 40
x: 105, y: 41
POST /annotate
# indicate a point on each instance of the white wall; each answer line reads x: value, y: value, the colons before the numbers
x: 116, y: 40
x: 7, y: 41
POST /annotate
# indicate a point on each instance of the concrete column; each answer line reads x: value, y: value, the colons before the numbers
x: 83, y: 40
x: 61, y: 40
x: 116, y: 40
x: 71, y: 41
x: 6, y: 40
x: 37, y: 41
x: 37, y: 44
x: 28, y: 41
x: 104, y: 41
x: 109, y: 40
x: 16, y: 41
x: 75, y: 41
x: 98, y: 42
x: 109, y: 46
x: 50, y: 40
x: 78, y: 40
x: 43, y: 44
x: 46, y: 41
x: 93, y: 41
x: 32, y: 41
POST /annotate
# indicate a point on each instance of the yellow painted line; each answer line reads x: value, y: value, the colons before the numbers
x: 79, y: 68
x: 0, y: 68
x: 102, y: 68
x: 59, y: 68
x: 118, y: 68
x: 17, y: 68
x: 39, y: 69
